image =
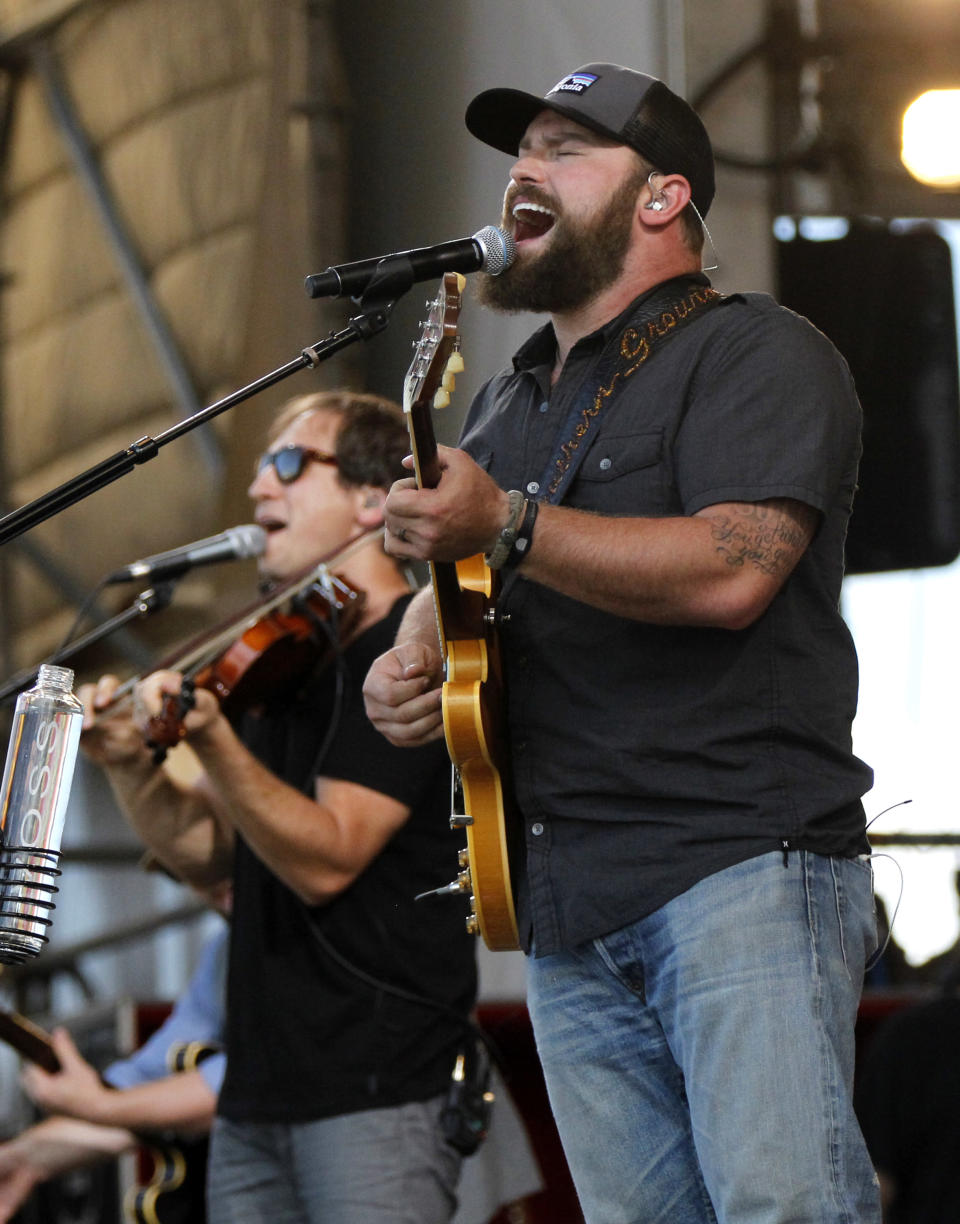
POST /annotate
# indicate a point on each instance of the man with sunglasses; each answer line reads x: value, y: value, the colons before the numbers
x: 663, y: 477
x: 346, y: 998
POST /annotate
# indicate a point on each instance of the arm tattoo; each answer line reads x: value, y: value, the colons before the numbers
x: 761, y: 534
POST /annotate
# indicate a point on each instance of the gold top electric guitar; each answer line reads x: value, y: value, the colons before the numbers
x: 465, y: 600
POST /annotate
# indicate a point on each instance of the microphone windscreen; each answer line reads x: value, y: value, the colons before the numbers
x: 250, y: 540
x: 499, y: 249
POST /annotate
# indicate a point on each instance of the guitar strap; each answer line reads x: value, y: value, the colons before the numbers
x: 669, y: 309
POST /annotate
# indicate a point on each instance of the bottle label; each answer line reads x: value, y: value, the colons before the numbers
x: 39, y: 781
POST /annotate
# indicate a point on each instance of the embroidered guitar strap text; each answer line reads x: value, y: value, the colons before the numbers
x: 653, y: 324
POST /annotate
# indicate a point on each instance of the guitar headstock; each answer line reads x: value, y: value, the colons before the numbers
x: 437, y: 359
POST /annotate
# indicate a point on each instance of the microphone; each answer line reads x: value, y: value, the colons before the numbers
x: 234, y: 544
x: 489, y: 250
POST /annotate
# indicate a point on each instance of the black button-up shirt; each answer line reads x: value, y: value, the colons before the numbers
x: 649, y: 756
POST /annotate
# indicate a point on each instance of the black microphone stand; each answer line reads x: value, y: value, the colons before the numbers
x: 393, y: 278
x: 154, y: 599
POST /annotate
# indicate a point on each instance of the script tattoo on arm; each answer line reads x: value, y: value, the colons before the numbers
x: 769, y: 535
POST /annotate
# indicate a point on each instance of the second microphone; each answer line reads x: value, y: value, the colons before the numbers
x: 234, y: 544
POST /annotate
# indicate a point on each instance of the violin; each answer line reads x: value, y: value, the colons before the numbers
x: 268, y: 660
x: 262, y: 652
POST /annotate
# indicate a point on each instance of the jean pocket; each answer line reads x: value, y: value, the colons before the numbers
x: 856, y: 911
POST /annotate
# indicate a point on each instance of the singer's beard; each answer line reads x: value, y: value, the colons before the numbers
x: 583, y: 258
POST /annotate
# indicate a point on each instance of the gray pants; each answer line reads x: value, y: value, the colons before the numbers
x: 380, y: 1166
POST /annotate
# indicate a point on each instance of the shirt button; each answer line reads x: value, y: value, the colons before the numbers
x: 533, y: 487
x: 544, y: 407
x: 605, y: 465
x: 536, y: 829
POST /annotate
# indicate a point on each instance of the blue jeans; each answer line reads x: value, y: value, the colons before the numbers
x: 379, y: 1166
x: 700, y: 1061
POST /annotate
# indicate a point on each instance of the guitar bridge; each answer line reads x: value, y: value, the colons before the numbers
x: 462, y: 820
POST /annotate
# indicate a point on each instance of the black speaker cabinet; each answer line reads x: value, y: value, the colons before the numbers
x: 884, y: 295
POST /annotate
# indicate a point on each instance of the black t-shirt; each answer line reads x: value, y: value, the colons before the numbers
x: 649, y: 756
x: 308, y: 1038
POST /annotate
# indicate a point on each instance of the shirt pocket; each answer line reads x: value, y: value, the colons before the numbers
x: 622, y: 474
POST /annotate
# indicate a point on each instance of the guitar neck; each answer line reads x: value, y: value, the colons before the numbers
x: 423, y: 442
x: 457, y: 611
x: 29, y: 1040
x: 459, y: 607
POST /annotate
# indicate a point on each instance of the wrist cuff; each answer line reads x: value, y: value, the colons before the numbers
x: 524, y: 534
x: 505, y: 541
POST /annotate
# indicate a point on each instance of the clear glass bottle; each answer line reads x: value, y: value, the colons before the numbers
x: 33, y: 803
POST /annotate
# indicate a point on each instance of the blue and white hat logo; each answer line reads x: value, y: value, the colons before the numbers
x: 576, y: 82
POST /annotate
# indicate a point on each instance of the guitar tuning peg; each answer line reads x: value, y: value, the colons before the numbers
x: 448, y: 382
x: 441, y: 399
x: 455, y: 364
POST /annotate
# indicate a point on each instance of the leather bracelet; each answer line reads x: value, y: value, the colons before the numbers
x: 505, y: 541
x: 524, y: 534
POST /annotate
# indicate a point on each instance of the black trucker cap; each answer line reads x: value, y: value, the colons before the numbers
x: 626, y: 106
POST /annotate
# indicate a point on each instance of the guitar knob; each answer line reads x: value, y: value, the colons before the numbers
x: 473, y: 925
x: 463, y: 858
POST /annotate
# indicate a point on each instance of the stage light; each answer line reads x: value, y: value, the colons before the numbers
x: 844, y: 74
x: 931, y: 138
